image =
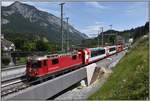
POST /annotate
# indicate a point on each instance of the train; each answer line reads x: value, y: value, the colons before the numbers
x: 40, y: 66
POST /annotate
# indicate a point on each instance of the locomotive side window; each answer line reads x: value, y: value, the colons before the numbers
x: 112, y: 49
x: 45, y: 62
x: 74, y: 57
x: 80, y: 56
x: 55, y: 61
x: 36, y: 64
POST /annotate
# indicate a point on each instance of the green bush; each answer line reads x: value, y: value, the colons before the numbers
x: 5, y: 61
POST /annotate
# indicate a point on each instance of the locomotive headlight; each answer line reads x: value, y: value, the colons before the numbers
x: 30, y: 69
x: 35, y: 72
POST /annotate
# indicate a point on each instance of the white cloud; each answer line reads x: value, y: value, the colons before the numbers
x: 99, y: 23
x: 92, y: 30
x: 96, y: 5
x: 7, y: 3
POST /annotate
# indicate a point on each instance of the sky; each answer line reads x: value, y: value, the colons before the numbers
x: 88, y: 17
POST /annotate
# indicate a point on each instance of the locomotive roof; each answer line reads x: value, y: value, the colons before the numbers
x: 52, y: 56
x: 38, y: 57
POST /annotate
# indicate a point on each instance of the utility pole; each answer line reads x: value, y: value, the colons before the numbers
x: 102, y: 36
x: 67, y: 33
x: 116, y: 38
x: 98, y: 39
x: 110, y: 27
x: 62, y: 39
x: 112, y: 33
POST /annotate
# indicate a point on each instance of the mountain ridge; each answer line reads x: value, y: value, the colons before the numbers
x: 34, y: 21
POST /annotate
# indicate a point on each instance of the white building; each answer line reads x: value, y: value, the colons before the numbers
x: 7, y: 45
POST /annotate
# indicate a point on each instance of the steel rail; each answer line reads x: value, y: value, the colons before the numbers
x: 27, y: 84
x: 12, y: 67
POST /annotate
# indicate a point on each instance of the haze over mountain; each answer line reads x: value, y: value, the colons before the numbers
x: 27, y: 20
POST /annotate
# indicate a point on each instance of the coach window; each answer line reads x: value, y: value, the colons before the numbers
x: 45, y: 62
x: 93, y: 53
x: 112, y: 49
x: 55, y: 61
x: 101, y: 52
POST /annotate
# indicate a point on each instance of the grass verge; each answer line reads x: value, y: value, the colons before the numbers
x: 130, y: 78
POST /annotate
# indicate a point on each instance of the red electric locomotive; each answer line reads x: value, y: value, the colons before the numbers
x: 42, y: 65
x: 119, y: 48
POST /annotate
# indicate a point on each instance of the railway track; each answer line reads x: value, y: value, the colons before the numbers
x: 13, y: 79
x: 12, y: 67
x: 12, y: 86
x: 16, y: 84
x: 12, y: 72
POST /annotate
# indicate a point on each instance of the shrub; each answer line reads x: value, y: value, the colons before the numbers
x: 5, y: 61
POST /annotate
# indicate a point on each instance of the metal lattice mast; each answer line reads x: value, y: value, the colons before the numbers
x: 62, y: 39
x: 67, y: 33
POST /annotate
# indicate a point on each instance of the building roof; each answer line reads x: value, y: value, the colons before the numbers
x: 6, y: 43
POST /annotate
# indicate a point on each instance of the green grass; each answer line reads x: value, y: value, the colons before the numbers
x: 22, y: 60
x: 130, y: 77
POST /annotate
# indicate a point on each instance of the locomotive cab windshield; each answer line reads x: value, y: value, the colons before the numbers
x: 35, y: 64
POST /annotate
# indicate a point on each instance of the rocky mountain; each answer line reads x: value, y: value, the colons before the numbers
x: 27, y: 20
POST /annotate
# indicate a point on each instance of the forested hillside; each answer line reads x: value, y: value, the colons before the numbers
x: 134, y: 33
